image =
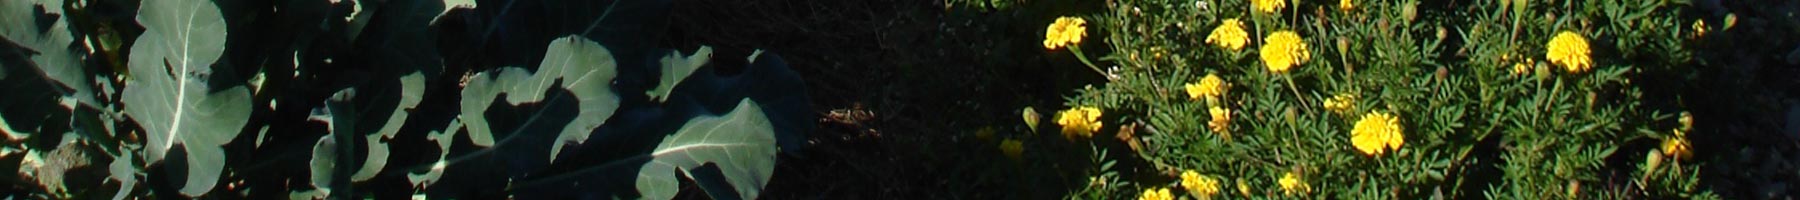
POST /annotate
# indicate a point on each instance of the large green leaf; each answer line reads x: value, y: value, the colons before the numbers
x: 348, y: 121
x: 741, y: 143
x: 581, y: 66
x: 18, y: 23
x: 167, y: 94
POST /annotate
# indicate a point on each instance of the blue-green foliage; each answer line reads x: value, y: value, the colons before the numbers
x: 359, y: 99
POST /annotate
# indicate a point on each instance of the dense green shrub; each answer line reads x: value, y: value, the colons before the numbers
x: 1388, y: 99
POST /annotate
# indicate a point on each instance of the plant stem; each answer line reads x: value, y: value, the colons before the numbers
x: 1288, y: 114
x: 1290, y: 82
x: 1553, y: 93
x: 1076, y: 49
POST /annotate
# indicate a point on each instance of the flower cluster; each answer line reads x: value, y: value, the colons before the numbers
x: 1156, y: 194
x: 1677, y: 146
x: 1699, y: 28
x: 1524, y: 67
x: 1079, y: 122
x: 1199, y: 185
x: 1341, y: 103
x: 1268, y: 6
x: 1221, y: 120
x: 1292, y: 185
x: 1210, y: 87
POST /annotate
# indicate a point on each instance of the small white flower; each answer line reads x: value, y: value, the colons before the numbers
x: 1112, y: 73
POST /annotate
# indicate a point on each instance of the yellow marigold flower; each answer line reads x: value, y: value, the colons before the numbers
x: 1066, y: 31
x: 1284, y: 50
x: 1677, y: 147
x: 1230, y: 35
x: 1157, y: 194
x: 1291, y: 184
x: 1699, y: 28
x: 1210, y: 87
x: 1268, y: 6
x: 1013, y: 148
x: 1221, y: 120
x: 1376, y: 133
x: 1346, y: 5
x: 1079, y: 121
x: 1202, y: 186
x: 1523, y: 68
x: 1195, y: 91
x: 1569, y: 50
x: 1341, y: 103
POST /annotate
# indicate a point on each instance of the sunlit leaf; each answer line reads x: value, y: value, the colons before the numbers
x: 581, y: 66
x: 54, y: 56
x: 676, y: 68
x: 740, y: 143
x: 168, y: 95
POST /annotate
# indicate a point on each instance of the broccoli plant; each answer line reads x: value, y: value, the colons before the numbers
x: 363, y: 100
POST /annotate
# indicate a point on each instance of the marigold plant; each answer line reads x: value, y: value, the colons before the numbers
x: 1199, y: 185
x: 1406, y: 100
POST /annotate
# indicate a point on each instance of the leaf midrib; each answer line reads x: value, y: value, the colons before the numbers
x: 181, y: 77
x: 683, y: 148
